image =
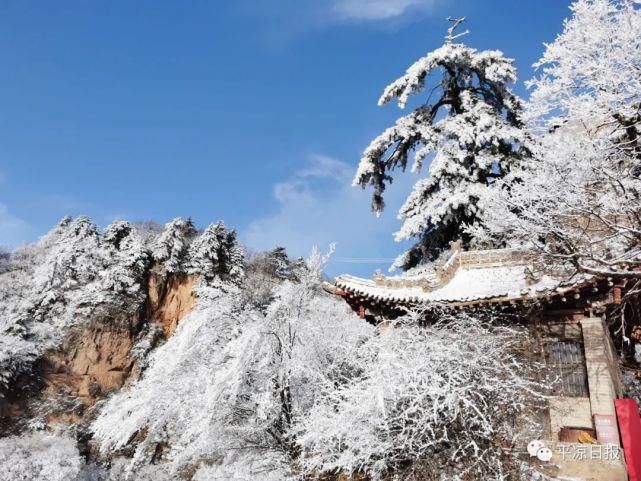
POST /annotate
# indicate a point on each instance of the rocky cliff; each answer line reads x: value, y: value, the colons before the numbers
x: 97, y: 357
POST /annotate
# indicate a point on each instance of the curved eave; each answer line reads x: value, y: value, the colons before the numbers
x: 345, y: 290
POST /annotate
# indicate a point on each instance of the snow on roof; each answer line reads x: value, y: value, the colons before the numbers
x: 466, y: 285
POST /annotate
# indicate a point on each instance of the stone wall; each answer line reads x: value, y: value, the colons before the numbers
x: 495, y: 258
x: 458, y: 260
x: 572, y: 412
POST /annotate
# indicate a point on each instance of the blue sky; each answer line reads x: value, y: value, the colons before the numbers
x: 250, y: 111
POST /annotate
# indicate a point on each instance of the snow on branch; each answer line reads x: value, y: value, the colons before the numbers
x: 578, y: 201
x: 450, y: 37
x: 470, y: 129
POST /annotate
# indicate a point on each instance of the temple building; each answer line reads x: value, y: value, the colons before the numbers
x: 568, y: 314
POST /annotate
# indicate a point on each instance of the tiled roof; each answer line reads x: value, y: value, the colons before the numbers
x: 469, y: 277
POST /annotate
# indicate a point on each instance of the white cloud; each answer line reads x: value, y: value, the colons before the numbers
x: 377, y: 9
x: 317, y: 205
x: 297, y: 187
x: 13, y: 230
x: 286, y: 17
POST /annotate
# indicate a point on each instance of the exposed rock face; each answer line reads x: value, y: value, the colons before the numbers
x: 169, y: 300
x: 96, y: 359
x: 92, y: 362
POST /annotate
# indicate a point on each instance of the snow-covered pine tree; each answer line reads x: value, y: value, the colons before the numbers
x: 280, y: 266
x: 125, y: 257
x: 76, y: 259
x: 217, y: 254
x: 172, y: 246
x: 49, y: 286
x: 278, y: 263
x: 235, y: 257
x: 471, y: 124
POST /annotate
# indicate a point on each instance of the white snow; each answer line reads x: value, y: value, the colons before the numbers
x: 472, y: 132
x: 466, y: 285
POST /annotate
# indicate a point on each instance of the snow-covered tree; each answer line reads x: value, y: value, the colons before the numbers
x: 241, y: 391
x: 40, y: 457
x: 442, y: 400
x: 471, y: 124
x: 74, y: 255
x: 171, y: 248
x: 590, y: 74
x: 71, y: 275
x: 5, y: 256
x: 125, y: 257
x: 311, y: 339
x: 197, y: 374
x: 265, y: 271
x: 278, y: 263
x: 244, y: 376
x: 579, y: 200
x: 217, y: 254
x: 45, y: 290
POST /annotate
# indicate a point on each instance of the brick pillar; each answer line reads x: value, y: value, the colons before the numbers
x: 599, y: 368
x: 595, y: 342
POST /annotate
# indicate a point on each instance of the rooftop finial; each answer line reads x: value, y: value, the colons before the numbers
x: 450, y: 31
